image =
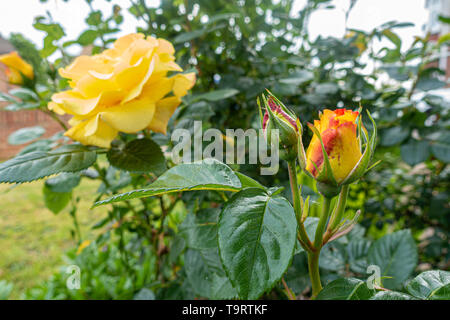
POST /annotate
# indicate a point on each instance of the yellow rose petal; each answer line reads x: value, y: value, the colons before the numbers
x: 93, y: 132
x: 130, y: 117
x: 141, y: 74
x: 164, y: 110
x: 74, y: 103
x: 158, y: 89
x: 55, y: 108
x: 82, y: 65
x: 182, y: 83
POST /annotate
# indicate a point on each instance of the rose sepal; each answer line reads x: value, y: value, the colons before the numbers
x: 361, y: 166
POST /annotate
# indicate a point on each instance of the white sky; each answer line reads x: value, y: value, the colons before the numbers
x: 18, y: 15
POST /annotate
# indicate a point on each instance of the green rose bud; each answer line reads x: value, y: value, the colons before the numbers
x: 280, y: 118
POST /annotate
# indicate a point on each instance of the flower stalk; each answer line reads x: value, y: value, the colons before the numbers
x: 296, y: 198
x: 314, y: 274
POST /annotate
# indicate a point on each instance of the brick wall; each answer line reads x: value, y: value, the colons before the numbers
x: 11, y: 121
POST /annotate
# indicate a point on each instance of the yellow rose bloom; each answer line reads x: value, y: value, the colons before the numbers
x: 338, y: 132
x: 123, y: 89
x: 16, y: 68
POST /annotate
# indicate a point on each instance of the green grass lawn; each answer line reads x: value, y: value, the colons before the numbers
x: 32, y: 238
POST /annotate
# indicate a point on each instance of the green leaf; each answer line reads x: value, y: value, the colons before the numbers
x: 298, y: 78
x: 5, y: 289
x: 188, y: 36
x: 87, y: 37
x: 208, y: 174
x: 17, y: 106
x: 391, y: 295
x: 25, y: 135
x: 248, y: 182
x: 441, y: 151
x: 346, y: 289
x: 56, y: 201
x: 444, y: 19
x: 332, y: 257
x: 394, y: 38
x: 415, y: 152
x: 94, y: 18
x: 399, y: 73
x: 217, y: 95
x: 177, y: 247
x: 444, y: 38
x: 64, y: 182
x: 139, y: 156
x: 431, y: 285
x: 54, y: 30
x: 297, y: 276
x: 200, y: 229
x: 39, y: 164
x: 200, y: 110
x: 328, y: 88
x: 206, y: 275
x: 427, y: 83
x: 357, y: 251
x: 396, y: 255
x: 6, y: 97
x: 24, y: 94
x: 144, y: 294
x: 222, y: 16
x: 49, y: 48
x: 257, y: 234
x: 393, y: 136
x: 38, y: 145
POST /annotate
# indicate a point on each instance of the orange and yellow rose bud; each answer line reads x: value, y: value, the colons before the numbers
x: 280, y: 118
x: 16, y: 68
x: 338, y: 131
x: 334, y: 156
x: 128, y: 88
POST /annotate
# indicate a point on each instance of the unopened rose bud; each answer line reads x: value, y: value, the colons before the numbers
x: 280, y: 118
x: 335, y: 156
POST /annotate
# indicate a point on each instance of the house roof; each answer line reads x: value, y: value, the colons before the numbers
x: 5, y: 46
